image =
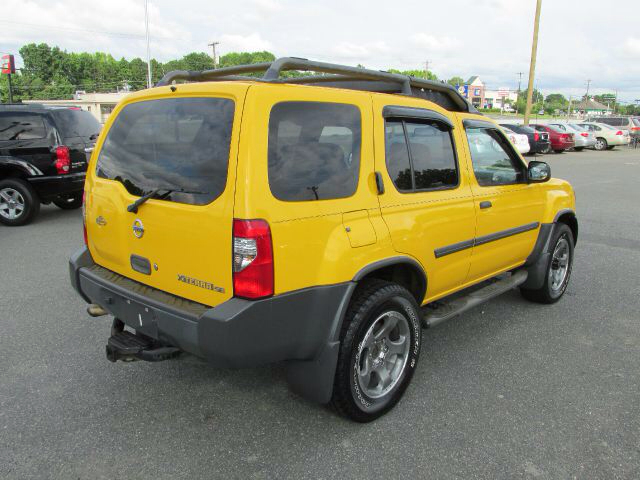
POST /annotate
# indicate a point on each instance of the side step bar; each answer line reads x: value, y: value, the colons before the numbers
x: 129, y: 347
x: 449, y: 309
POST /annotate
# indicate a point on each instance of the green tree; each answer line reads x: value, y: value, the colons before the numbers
x: 416, y: 73
x: 455, y: 81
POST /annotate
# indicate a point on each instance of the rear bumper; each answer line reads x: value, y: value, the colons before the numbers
x: 51, y: 187
x: 301, y: 326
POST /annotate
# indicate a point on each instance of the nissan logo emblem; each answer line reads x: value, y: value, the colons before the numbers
x: 138, y: 228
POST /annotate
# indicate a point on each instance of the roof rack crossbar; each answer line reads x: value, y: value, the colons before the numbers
x: 334, y: 75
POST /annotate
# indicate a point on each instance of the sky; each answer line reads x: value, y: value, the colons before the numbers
x: 580, y: 40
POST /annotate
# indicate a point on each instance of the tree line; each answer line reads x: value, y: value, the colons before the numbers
x: 52, y: 73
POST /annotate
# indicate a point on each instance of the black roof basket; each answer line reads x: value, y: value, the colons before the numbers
x: 338, y: 76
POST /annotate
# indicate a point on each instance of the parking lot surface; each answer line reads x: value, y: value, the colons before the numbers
x: 510, y: 389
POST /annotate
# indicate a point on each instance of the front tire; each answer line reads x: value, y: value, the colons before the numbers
x: 19, y: 203
x: 379, y: 351
x: 71, y: 202
x: 558, y: 270
x: 601, y: 144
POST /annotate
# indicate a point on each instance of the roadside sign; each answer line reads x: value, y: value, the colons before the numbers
x: 463, y: 90
x: 503, y: 92
x: 8, y: 64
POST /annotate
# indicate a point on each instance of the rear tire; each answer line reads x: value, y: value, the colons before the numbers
x: 19, y: 203
x: 558, y: 270
x: 601, y: 144
x: 559, y: 151
x: 69, y: 203
x: 379, y: 350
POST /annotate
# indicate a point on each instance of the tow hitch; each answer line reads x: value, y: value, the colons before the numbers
x: 128, y: 347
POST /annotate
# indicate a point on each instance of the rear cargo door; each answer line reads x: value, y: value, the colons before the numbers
x: 78, y: 130
x: 182, y: 151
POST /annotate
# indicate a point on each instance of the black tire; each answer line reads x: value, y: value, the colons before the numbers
x: 376, y: 303
x: 601, y: 144
x: 578, y: 149
x: 546, y: 149
x: 549, y: 293
x: 21, y: 195
x: 559, y: 151
x: 71, y: 202
x: 610, y: 147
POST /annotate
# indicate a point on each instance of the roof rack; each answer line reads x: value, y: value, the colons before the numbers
x: 337, y: 76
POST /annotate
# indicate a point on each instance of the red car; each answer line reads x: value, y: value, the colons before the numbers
x: 560, y: 141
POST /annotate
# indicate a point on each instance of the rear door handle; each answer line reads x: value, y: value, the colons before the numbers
x: 485, y: 204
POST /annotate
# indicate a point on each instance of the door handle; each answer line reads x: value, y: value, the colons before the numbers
x: 485, y: 204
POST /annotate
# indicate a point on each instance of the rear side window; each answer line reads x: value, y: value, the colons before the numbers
x: 420, y: 155
x: 636, y: 122
x: 76, y: 123
x: 21, y: 126
x: 178, y: 145
x: 314, y: 150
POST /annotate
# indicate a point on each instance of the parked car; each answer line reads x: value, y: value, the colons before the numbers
x: 344, y: 211
x: 629, y: 125
x: 520, y: 140
x: 538, y: 141
x: 582, y: 138
x: 607, y: 137
x: 560, y: 141
x: 43, y: 158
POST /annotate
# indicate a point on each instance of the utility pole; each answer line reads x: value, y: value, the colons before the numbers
x: 532, y: 66
x: 569, y: 109
x: 519, y: 85
x: 426, y: 69
x: 146, y: 26
x: 213, y: 48
x: 586, y: 97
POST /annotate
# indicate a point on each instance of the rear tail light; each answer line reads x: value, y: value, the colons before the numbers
x: 619, y: 132
x: 84, y: 218
x: 635, y: 128
x: 536, y: 136
x: 252, y: 259
x: 584, y: 134
x: 63, y: 160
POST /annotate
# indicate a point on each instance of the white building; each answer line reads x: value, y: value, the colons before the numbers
x: 99, y: 104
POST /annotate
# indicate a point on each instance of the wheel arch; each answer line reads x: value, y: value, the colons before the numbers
x: 11, y: 167
x: 568, y: 217
x: 402, y: 270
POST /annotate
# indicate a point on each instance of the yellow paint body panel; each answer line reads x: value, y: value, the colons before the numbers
x: 316, y: 242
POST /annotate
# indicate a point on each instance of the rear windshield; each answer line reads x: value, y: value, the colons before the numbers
x: 178, y: 144
x: 76, y: 123
x: 21, y: 126
x: 636, y: 122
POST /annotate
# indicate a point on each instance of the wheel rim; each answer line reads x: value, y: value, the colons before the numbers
x: 560, y: 261
x: 382, y: 355
x: 599, y: 144
x: 11, y: 203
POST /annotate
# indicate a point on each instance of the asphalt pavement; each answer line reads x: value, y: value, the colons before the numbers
x: 507, y: 390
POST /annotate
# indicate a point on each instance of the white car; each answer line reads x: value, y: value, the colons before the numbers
x: 520, y: 141
x: 607, y: 137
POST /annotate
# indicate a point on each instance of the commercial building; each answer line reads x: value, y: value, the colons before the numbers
x: 99, y: 104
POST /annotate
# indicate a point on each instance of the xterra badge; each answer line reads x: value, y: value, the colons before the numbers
x: 200, y: 283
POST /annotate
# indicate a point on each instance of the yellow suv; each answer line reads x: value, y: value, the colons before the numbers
x: 321, y: 220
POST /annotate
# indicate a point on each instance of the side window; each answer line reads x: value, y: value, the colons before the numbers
x: 420, y: 155
x: 21, y: 126
x: 493, y: 161
x: 314, y: 150
x: 559, y: 127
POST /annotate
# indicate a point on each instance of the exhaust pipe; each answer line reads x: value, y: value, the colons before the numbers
x: 96, y: 310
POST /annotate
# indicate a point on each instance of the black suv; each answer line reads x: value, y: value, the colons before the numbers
x: 43, y: 158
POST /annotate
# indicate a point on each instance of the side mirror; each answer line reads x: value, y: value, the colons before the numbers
x: 538, y: 172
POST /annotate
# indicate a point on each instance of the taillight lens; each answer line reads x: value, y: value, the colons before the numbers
x: 536, y: 136
x: 619, y: 132
x: 252, y: 259
x: 584, y: 134
x: 84, y: 218
x: 63, y: 160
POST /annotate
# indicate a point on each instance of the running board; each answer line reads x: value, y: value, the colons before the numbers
x: 449, y: 309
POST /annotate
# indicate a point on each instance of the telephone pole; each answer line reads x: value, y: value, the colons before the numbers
x: 519, y: 85
x: 426, y: 69
x: 532, y: 66
x: 213, y: 48
x: 146, y: 26
x: 586, y: 97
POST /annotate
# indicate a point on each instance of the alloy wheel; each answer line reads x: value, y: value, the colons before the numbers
x: 12, y: 203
